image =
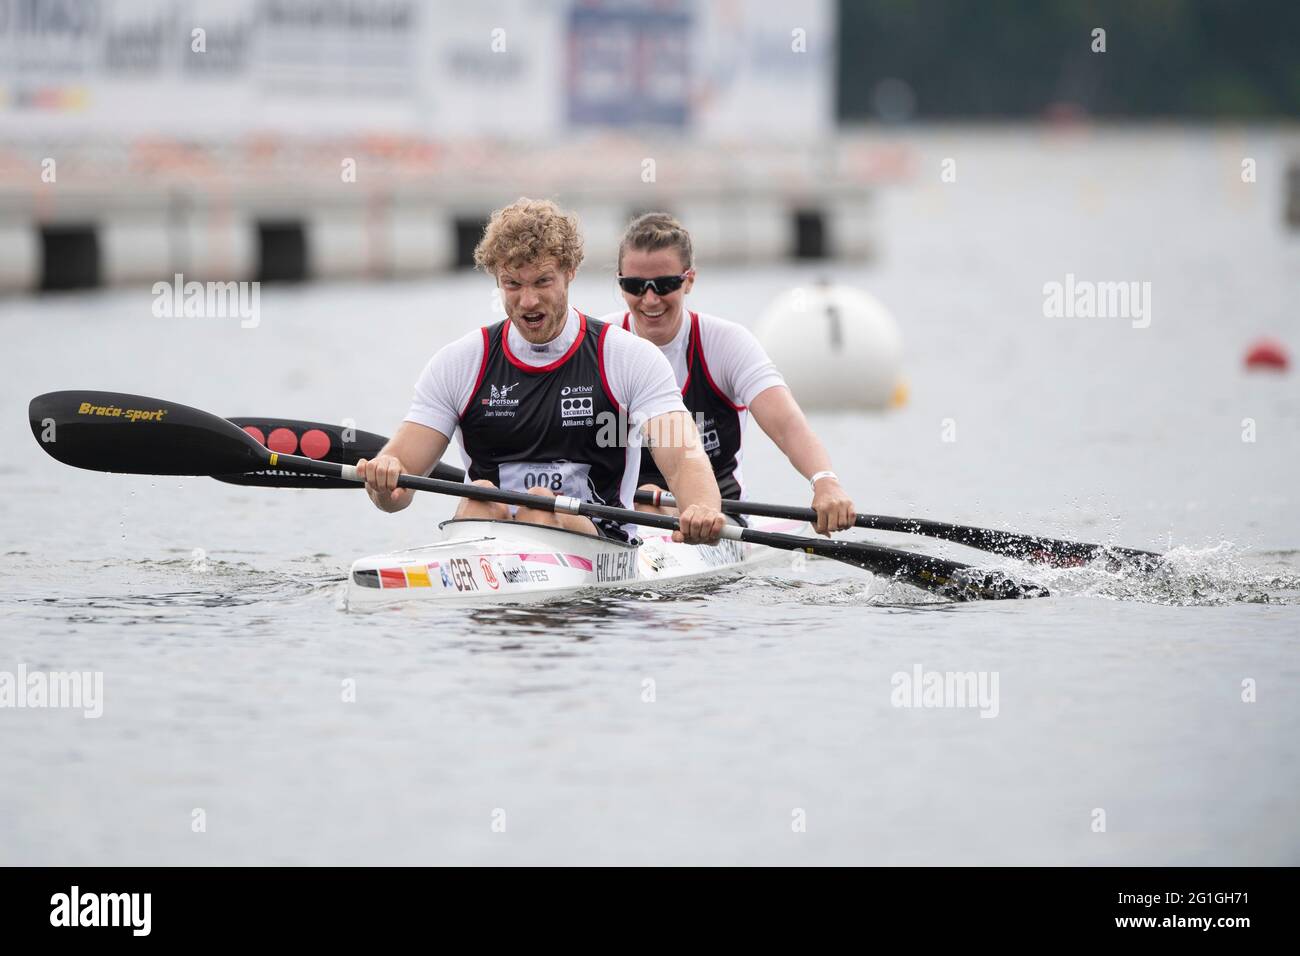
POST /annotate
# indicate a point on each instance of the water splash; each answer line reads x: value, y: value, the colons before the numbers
x: 1187, y: 577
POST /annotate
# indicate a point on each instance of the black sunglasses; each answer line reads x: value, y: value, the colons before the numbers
x: 663, y: 285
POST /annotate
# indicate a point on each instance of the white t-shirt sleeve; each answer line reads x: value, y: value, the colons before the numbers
x: 738, y: 363
x: 640, y: 377
x: 446, y: 383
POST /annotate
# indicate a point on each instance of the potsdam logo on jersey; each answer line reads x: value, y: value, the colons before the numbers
x: 500, y: 396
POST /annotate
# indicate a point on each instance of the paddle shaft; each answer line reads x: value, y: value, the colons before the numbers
x: 1053, y: 551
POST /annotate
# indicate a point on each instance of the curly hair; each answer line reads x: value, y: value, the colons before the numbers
x: 529, y: 231
x: 654, y: 231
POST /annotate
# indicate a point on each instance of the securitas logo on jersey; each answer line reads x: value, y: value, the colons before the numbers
x: 709, y: 437
x: 499, y: 397
x: 578, y: 408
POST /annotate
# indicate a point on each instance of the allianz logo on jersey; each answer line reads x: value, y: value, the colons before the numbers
x: 499, y: 396
x: 576, y: 401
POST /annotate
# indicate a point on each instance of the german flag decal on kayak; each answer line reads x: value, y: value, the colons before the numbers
x: 407, y: 576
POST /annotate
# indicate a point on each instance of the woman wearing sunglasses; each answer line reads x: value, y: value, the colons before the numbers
x: 722, y: 369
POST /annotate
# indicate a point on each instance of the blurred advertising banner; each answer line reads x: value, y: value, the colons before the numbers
x: 210, y: 69
x: 766, y: 69
x: 514, y: 69
x: 630, y: 64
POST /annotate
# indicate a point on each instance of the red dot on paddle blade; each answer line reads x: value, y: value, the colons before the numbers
x: 283, y: 441
x: 256, y: 433
x: 315, y: 443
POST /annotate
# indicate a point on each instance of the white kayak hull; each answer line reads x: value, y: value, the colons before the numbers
x: 478, y: 562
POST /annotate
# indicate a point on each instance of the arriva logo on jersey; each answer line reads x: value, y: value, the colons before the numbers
x: 576, y: 390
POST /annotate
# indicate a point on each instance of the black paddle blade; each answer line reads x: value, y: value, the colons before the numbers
x: 950, y: 579
x: 316, y: 440
x: 960, y: 582
x: 977, y: 585
x: 137, y: 435
x: 1027, y: 547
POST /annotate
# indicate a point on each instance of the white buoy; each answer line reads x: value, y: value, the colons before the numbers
x: 837, y: 347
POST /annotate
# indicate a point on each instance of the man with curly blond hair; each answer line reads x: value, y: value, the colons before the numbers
x: 549, y: 401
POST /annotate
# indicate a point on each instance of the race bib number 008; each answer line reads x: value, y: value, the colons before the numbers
x: 559, y: 477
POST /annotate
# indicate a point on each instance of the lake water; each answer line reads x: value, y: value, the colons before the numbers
x: 523, y: 736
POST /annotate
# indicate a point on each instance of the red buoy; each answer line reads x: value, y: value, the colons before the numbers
x: 1267, y: 354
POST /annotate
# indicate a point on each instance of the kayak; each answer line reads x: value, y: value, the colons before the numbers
x: 483, y: 561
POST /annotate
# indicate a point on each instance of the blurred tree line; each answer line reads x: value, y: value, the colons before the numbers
x: 936, y: 59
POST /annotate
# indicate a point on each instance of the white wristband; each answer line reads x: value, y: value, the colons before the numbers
x: 820, y: 475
